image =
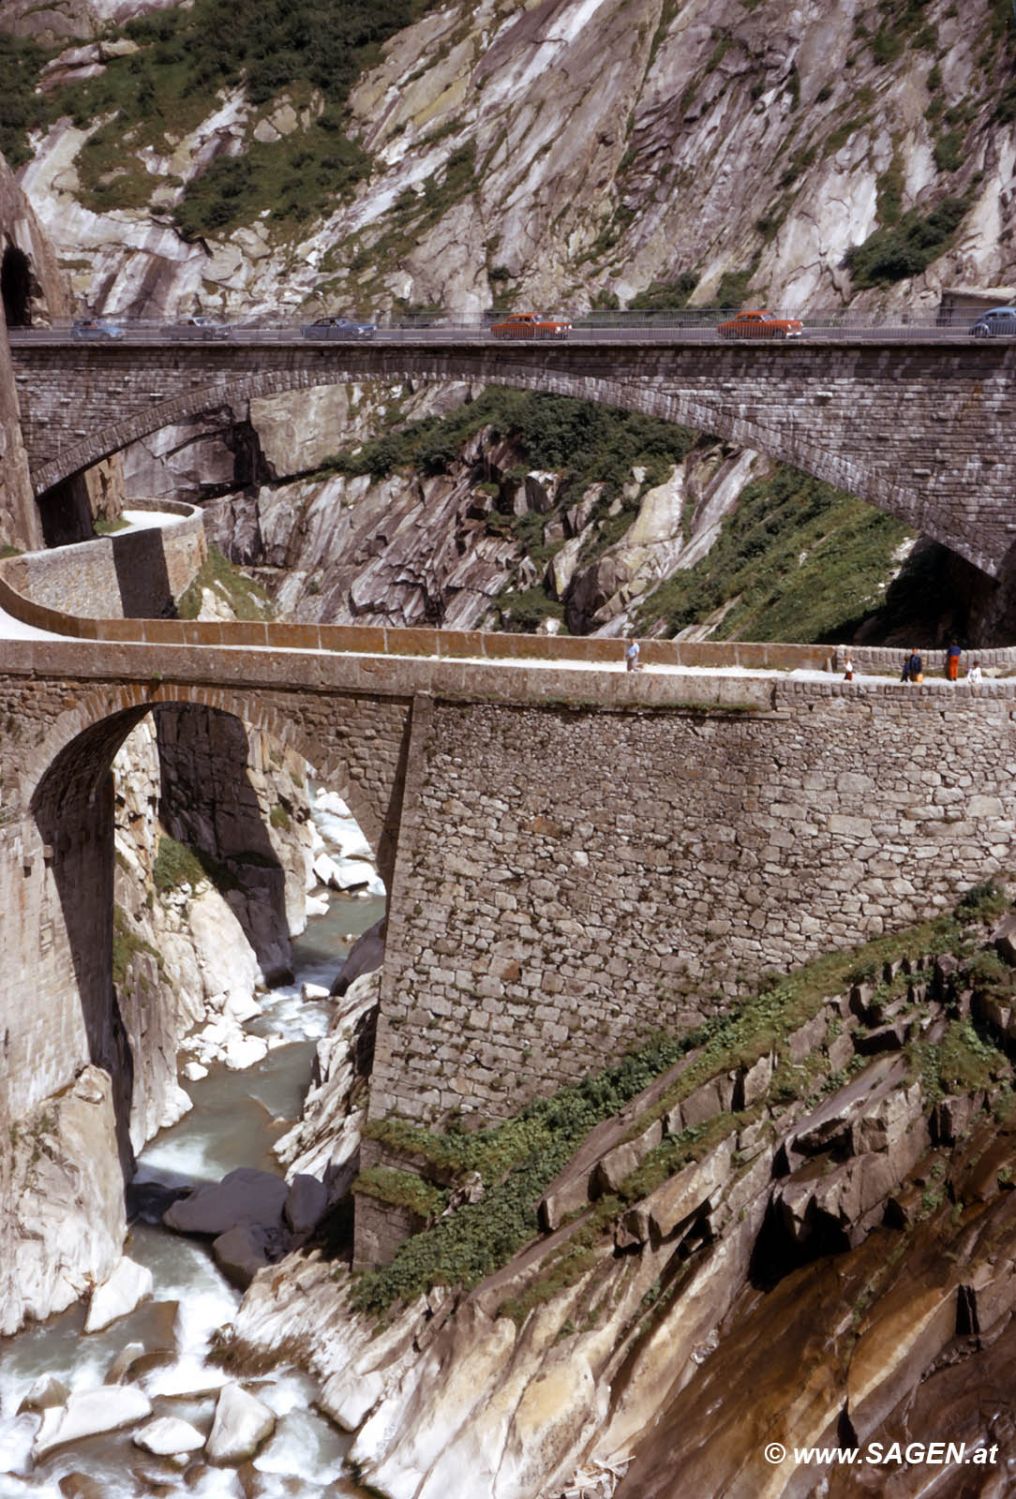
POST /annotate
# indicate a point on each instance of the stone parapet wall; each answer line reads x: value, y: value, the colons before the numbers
x: 124, y: 574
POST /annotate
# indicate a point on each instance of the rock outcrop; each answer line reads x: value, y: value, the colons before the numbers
x: 807, y: 1191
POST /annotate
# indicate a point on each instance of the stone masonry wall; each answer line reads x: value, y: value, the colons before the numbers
x: 570, y: 880
x: 830, y: 407
x: 126, y: 575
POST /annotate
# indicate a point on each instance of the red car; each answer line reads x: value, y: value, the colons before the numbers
x: 761, y: 325
x: 530, y: 325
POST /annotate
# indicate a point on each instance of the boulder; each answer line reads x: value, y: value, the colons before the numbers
x: 242, y: 1423
x: 120, y: 1369
x: 77, y: 1485
x: 365, y: 956
x: 128, y: 1285
x: 241, y: 1252
x: 88, y: 1413
x: 168, y: 1437
x: 46, y: 1392
x: 306, y: 1203
x: 244, y: 1196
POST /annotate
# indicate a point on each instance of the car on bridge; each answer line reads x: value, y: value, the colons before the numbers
x: 339, y: 327
x: 95, y: 329
x: 760, y: 324
x: 999, y: 322
x: 198, y: 326
x: 530, y: 325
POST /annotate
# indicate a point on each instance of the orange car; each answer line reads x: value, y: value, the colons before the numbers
x: 760, y: 325
x: 530, y: 325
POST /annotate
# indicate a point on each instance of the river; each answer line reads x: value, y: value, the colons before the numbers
x: 236, y: 1118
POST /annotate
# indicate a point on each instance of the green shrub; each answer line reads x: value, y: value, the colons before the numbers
x: 896, y: 252
x: 176, y: 865
x: 661, y: 296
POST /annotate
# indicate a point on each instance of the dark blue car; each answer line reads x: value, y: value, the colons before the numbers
x: 1000, y: 322
x: 339, y: 327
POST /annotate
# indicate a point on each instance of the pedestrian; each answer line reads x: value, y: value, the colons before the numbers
x: 913, y: 667
x: 848, y: 670
x: 631, y: 656
x: 952, y: 663
x: 974, y: 674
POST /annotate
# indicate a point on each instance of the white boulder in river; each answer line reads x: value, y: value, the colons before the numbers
x: 88, y: 1413
x: 128, y: 1285
x: 242, y: 1423
x: 168, y: 1436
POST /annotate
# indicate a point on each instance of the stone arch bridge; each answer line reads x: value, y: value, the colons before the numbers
x: 920, y: 429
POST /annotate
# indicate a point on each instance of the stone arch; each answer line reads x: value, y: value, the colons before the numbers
x: 76, y: 754
x: 800, y: 433
x: 17, y: 286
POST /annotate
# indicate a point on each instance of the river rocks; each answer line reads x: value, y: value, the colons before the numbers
x: 242, y: 1423
x: 46, y: 1391
x: 128, y: 1285
x: 120, y: 1369
x: 306, y: 1203
x: 168, y: 1437
x: 243, y: 1196
x: 88, y: 1413
x: 365, y: 956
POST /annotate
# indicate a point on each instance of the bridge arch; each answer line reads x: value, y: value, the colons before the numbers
x: 900, y: 427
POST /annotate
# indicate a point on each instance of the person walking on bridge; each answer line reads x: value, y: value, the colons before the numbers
x: 952, y: 663
x: 631, y: 656
x: 913, y: 667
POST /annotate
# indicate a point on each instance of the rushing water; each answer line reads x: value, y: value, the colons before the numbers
x: 236, y: 1118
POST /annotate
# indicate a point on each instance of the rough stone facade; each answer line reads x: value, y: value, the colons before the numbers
x: 831, y: 408
x: 124, y: 576
x: 570, y: 880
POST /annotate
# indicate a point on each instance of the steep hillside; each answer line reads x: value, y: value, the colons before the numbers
x: 573, y: 151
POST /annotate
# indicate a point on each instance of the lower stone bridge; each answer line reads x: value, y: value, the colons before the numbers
x: 575, y: 857
x: 919, y: 429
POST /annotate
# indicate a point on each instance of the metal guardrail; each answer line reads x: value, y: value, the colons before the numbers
x: 668, y: 326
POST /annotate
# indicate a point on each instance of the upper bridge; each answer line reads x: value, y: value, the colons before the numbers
x: 920, y: 428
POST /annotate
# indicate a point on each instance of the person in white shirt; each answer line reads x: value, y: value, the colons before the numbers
x: 974, y: 674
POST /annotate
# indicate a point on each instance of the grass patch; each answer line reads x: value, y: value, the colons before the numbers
x: 898, y: 251
x: 518, y: 1159
x: 801, y: 561
x: 247, y: 599
x: 21, y: 109
x: 402, y: 1189
x: 177, y: 864
x: 127, y: 945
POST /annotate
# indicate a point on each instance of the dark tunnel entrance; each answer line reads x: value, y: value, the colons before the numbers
x: 16, y: 287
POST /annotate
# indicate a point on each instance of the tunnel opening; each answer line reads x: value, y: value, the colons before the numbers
x: 16, y: 287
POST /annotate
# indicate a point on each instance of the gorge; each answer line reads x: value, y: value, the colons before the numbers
x: 437, y: 1061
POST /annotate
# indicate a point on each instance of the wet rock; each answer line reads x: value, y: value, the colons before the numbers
x: 241, y: 1424
x: 89, y: 1413
x: 244, y: 1250
x: 128, y: 1285
x: 243, y: 1196
x: 46, y: 1392
x: 119, y: 1370
x: 306, y: 1204
x: 81, y: 1486
x: 146, y: 1363
x: 168, y: 1437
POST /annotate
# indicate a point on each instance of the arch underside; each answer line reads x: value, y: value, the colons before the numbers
x: 797, y: 442
x: 72, y: 762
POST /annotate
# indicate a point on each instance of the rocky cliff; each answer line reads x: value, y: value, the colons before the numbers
x: 791, y: 1230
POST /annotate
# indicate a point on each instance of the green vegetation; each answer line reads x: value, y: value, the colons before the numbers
x: 20, y: 64
x: 898, y: 251
x: 127, y: 945
x: 733, y: 287
x: 110, y: 527
x: 402, y: 1189
x: 311, y: 51
x: 176, y: 865
x: 665, y: 296
x: 247, y: 599
x: 592, y: 443
x: 518, y: 1159
x: 796, y: 560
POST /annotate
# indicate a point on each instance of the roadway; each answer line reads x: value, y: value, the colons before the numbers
x: 456, y: 335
